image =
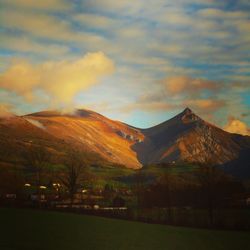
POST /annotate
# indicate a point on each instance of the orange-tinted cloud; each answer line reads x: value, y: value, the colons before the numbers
x: 180, y: 84
x: 237, y: 126
x: 62, y: 80
x: 5, y: 110
x: 179, y: 92
x: 148, y: 107
x: 205, y: 104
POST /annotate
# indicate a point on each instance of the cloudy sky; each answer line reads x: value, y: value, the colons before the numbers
x: 137, y: 61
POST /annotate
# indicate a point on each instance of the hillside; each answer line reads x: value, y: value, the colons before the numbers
x: 89, y: 131
x: 184, y: 138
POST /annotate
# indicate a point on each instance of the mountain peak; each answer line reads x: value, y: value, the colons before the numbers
x: 187, y: 111
x: 187, y: 115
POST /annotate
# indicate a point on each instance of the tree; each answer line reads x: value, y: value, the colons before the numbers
x: 75, y: 164
x: 168, y: 183
x: 164, y: 193
x: 139, y: 188
x: 37, y: 159
x: 214, y: 185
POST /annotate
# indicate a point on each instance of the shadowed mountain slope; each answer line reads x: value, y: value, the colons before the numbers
x: 186, y: 137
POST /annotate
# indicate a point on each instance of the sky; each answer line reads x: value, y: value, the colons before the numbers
x: 140, y: 61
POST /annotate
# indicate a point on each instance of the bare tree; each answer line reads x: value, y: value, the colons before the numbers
x: 168, y: 184
x: 75, y: 165
x: 37, y: 159
x: 212, y: 182
x: 139, y: 188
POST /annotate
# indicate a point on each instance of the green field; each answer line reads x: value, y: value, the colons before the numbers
x: 123, y: 177
x: 40, y: 230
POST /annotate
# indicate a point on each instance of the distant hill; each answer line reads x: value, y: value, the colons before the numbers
x: 184, y: 138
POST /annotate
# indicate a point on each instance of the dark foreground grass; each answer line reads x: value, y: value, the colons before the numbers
x: 40, y: 230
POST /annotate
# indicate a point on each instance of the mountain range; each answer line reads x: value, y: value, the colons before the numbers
x: 184, y: 138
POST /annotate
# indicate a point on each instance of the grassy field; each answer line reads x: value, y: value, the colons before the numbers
x: 38, y: 230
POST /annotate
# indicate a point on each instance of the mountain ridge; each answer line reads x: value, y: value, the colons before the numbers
x: 184, y: 138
